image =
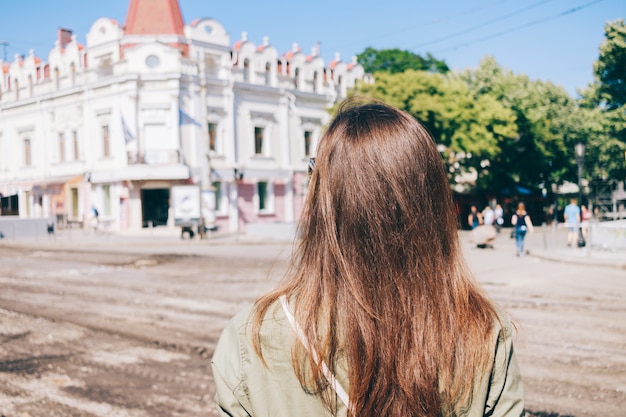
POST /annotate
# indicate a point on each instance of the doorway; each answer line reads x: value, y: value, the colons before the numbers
x: 155, y: 204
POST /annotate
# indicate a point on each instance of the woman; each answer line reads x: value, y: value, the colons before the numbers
x: 378, y: 314
x: 522, y: 223
x: 474, y: 218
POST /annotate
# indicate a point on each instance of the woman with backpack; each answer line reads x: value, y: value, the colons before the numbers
x: 522, y: 223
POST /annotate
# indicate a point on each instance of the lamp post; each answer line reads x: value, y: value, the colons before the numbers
x: 580, y: 154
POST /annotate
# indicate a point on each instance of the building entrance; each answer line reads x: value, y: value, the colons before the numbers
x: 155, y: 204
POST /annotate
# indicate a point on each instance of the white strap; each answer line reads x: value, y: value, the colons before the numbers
x: 343, y: 395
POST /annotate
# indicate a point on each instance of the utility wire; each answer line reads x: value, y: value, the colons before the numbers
x: 487, y: 23
x: 520, y: 27
x: 431, y: 22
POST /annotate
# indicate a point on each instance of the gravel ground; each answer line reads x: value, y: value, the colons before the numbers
x: 113, y: 330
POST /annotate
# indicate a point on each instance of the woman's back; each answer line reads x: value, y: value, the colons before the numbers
x: 378, y: 283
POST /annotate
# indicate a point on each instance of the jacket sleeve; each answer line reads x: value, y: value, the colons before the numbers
x: 506, y: 391
x: 226, y: 365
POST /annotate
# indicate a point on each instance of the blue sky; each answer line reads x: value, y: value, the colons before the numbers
x: 550, y: 40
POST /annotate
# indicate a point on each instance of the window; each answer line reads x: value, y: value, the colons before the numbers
x: 219, y: 198
x: 75, y: 145
x: 308, y: 135
x: 73, y: 73
x: 264, y: 197
x: 267, y: 73
x: 314, y: 83
x: 212, y: 137
x: 74, y: 202
x: 106, y: 190
x: 106, y: 145
x: 258, y: 140
x: 61, y: 147
x: 246, y: 69
x: 296, y: 78
x: 27, y: 153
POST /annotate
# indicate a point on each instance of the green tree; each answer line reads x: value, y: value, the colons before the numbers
x: 609, y: 87
x: 605, y: 100
x: 396, y: 60
x: 470, y: 130
x: 544, y: 115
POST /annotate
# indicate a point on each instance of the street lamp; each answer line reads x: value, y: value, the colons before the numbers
x: 580, y: 154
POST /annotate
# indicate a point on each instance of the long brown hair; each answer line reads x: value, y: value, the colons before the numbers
x: 378, y: 277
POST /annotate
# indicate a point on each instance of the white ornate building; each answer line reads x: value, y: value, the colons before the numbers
x: 155, y: 103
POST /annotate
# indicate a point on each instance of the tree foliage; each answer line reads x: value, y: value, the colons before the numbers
x: 470, y: 130
x: 610, y: 67
x: 505, y: 129
x: 541, y: 154
x: 396, y: 60
x: 605, y: 99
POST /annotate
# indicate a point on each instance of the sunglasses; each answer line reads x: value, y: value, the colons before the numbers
x: 311, y: 166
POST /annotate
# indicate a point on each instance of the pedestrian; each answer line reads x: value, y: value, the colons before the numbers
x: 378, y: 313
x: 95, y: 218
x: 474, y: 218
x: 522, y: 223
x: 499, y: 213
x: 571, y: 216
x: 585, y: 216
x: 489, y: 215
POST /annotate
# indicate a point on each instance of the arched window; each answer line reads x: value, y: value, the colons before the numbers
x: 296, y: 78
x: 30, y: 85
x: 57, y: 77
x: 315, y: 82
x: 246, y: 69
x: 73, y: 72
x: 268, y: 74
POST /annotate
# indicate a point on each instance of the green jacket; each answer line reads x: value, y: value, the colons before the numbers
x: 246, y: 387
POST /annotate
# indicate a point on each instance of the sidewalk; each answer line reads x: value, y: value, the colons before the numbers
x: 544, y: 243
x: 157, y: 241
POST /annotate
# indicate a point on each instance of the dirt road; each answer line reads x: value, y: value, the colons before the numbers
x: 130, y: 333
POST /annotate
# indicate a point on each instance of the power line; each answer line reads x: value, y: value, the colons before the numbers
x: 487, y: 23
x: 520, y: 27
x: 431, y: 22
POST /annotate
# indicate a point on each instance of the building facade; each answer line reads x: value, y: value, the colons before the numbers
x: 140, y: 108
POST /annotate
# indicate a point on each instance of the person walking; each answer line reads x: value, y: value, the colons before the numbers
x: 585, y: 217
x: 378, y: 314
x: 522, y: 223
x: 474, y: 218
x: 571, y: 216
x: 499, y: 214
x: 489, y: 215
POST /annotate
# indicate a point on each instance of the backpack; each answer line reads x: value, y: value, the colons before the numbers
x: 521, y: 222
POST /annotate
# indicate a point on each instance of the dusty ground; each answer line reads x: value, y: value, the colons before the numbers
x: 130, y: 332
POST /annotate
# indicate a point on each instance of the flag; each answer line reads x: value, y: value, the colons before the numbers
x: 128, y: 137
x: 184, y: 119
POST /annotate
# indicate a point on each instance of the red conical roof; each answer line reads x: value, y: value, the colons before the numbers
x: 155, y: 17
